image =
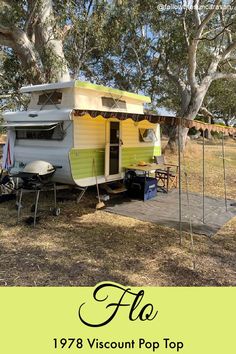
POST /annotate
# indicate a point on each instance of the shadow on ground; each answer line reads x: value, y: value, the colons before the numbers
x: 82, y: 247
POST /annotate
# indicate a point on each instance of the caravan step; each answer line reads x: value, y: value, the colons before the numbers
x: 114, y: 188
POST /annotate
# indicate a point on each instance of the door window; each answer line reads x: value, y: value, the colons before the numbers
x: 114, y: 153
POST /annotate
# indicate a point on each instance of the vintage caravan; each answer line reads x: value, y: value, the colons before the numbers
x: 84, y: 128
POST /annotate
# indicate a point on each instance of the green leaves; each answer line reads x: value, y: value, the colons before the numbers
x: 221, y: 101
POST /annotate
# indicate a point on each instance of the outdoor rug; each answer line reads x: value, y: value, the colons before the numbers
x: 164, y: 210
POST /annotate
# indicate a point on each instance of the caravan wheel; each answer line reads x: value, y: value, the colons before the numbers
x: 56, y: 211
x: 7, y: 185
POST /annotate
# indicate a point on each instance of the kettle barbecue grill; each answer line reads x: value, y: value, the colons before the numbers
x: 37, y: 172
x: 36, y: 177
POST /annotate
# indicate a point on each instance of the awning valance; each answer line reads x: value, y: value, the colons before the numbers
x: 153, y: 118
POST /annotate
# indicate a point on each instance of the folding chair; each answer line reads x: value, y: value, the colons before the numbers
x: 167, y: 177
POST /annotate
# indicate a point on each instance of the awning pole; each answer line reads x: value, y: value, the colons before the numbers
x: 223, y: 155
x: 180, y: 191
x: 189, y: 213
x: 203, y: 178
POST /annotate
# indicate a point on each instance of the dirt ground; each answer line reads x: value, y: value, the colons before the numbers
x: 82, y: 246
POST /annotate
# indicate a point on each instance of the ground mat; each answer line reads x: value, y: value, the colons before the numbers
x: 164, y: 210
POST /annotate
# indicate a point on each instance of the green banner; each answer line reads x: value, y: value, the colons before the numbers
x: 112, y: 318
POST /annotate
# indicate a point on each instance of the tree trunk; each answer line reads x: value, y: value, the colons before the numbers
x: 49, y: 44
x: 172, y: 142
x: 189, y: 111
x: 208, y: 132
x: 176, y: 133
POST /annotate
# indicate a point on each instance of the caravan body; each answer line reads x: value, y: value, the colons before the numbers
x: 81, y: 127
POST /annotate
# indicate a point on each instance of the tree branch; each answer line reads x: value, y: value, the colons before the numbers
x: 186, y: 35
x: 192, y: 49
x: 228, y: 50
x: 33, y: 7
x: 175, y: 78
x: 196, y: 13
x: 17, y: 39
x: 9, y: 2
x: 230, y: 65
x: 228, y: 76
x: 207, y: 19
x: 217, y: 35
x: 6, y: 36
x: 205, y: 112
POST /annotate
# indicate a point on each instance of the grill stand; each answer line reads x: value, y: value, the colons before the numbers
x: 37, y: 189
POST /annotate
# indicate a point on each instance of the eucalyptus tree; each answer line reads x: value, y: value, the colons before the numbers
x: 104, y: 41
x: 197, y: 47
x: 221, y: 101
x: 48, y: 40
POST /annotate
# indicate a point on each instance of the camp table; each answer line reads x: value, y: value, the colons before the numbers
x: 146, y: 169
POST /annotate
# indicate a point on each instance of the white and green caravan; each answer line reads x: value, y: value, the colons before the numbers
x: 74, y: 124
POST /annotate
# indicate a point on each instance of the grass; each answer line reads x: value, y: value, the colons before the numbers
x: 192, y: 163
x: 82, y: 246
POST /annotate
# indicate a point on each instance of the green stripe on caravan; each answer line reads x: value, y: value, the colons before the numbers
x: 132, y: 155
x: 82, y: 159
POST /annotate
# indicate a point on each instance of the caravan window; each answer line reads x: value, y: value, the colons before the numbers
x: 147, y: 135
x: 54, y: 132
x: 50, y: 98
x: 113, y: 103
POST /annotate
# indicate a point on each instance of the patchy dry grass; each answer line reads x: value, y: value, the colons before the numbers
x: 82, y: 246
x: 192, y: 162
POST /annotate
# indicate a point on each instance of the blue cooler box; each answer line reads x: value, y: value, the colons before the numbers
x: 143, y: 188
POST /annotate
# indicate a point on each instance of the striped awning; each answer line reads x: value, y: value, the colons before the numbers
x: 153, y: 118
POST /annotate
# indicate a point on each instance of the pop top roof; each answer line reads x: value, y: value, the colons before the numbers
x: 84, y: 85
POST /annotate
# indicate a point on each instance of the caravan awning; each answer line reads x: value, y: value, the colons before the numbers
x: 154, y: 118
x: 31, y: 125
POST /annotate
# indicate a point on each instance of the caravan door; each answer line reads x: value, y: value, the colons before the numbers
x: 113, y: 150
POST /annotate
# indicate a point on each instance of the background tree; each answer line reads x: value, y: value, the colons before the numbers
x: 220, y: 100
x: 197, y: 47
